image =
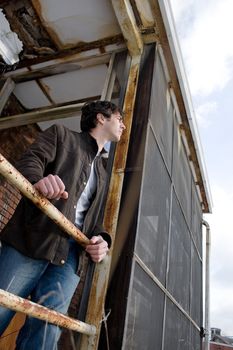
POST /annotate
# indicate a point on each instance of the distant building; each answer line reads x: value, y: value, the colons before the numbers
x: 220, y: 342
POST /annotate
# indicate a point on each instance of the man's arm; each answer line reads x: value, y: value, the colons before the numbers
x: 40, y: 154
x: 52, y: 187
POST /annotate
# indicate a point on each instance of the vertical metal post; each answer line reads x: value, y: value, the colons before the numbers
x: 110, y: 79
x: 207, y: 287
x: 98, y: 291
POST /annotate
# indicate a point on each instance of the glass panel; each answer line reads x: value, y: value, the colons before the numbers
x: 177, y: 329
x: 182, y: 175
x: 196, y: 340
x: 180, y: 257
x: 161, y: 112
x: 153, y: 224
x: 145, y: 314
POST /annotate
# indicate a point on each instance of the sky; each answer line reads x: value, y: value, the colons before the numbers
x: 205, y: 30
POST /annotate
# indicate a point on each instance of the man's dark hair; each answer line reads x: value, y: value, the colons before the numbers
x: 90, y: 111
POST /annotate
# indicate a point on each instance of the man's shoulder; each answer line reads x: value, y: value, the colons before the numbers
x: 62, y: 132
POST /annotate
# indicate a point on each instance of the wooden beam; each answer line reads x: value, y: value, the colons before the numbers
x: 62, y: 65
x: 129, y: 28
x: 98, y: 291
x: 5, y: 92
x: 41, y: 115
x: 79, y: 49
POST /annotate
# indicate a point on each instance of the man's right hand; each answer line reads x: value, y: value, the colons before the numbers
x: 52, y: 187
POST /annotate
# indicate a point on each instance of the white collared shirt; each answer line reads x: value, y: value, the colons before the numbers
x: 85, y: 199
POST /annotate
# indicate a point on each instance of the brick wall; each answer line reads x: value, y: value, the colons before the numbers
x: 14, y: 142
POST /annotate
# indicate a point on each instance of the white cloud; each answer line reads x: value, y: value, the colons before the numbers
x: 206, y: 42
x: 221, y: 309
x: 205, y: 29
x: 180, y: 8
x: 204, y: 113
x: 221, y: 267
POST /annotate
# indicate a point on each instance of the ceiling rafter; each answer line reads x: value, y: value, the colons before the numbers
x: 80, y: 48
x: 40, y: 115
x: 58, y: 111
x: 5, y: 92
x: 127, y: 22
x: 63, y: 65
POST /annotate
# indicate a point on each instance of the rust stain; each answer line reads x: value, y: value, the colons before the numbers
x: 81, y: 47
x: 100, y: 279
x: 46, y: 90
x: 144, y: 5
x: 35, y: 310
x: 55, y: 37
x: 24, y: 186
x: 38, y: 9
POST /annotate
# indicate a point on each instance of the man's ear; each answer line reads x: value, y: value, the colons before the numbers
x: 100, y: 118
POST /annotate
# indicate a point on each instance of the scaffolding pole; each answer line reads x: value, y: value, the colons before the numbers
x: 27, y: 307
x: 27, y: 189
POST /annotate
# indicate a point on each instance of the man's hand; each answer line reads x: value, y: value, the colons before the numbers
x: 52, y: 187
x: 98, y: 248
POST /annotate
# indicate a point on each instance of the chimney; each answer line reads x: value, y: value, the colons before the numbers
x: 215, y: 331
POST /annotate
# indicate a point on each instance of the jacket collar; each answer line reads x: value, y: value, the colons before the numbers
x: 91, y: 141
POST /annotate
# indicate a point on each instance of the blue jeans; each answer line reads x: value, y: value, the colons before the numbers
x: 47, y: 284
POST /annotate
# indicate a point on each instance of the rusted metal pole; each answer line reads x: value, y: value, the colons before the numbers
x: 16, y: 303
x: 126, y: 19
x: 26, y: 188
x: 95, y: 311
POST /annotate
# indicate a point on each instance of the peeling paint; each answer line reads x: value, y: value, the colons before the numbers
x: 27, y: 307
x: 145, y: 12
x: 10, y: 45
x: 25, y: 187
x: 100, y: 280
x: 128, y: 26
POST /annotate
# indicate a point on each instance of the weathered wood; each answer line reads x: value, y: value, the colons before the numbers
x: 41, y: 116
x: 5, y: 92
x: 100, y: 280
x: 127, y: 22
x: 69, y: 63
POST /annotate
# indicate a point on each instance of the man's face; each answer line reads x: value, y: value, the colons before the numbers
x: 114, y: 127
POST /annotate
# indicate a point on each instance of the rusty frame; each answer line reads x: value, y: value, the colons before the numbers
x: 127, y: 22
x: 95, y: 311
x: 27, y: 307
x: 60, y: 66
x: 40, y: 115
x: 65, y: 110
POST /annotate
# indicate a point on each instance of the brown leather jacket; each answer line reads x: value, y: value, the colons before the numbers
x: 68, y: 154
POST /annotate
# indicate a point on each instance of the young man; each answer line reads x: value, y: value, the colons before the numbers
x: 37, y: 258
